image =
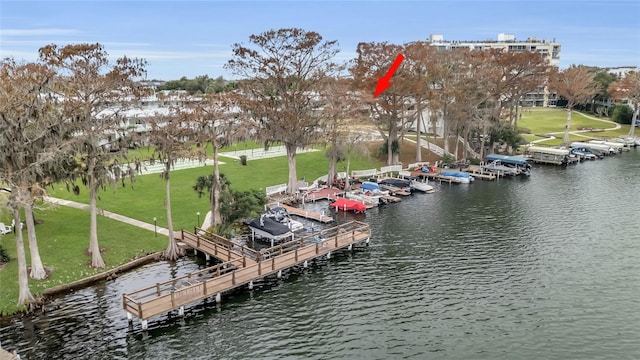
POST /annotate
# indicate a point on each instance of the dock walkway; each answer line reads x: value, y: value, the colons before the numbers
x: 307, y: 214
x: 238, y: 271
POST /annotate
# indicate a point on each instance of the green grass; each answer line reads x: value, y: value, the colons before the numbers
x: 63, y: 238
x: 552, y: 120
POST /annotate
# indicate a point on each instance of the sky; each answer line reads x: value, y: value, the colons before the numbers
x: 192, y: 38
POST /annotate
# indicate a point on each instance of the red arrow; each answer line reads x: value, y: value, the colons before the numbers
x: 383, y: 82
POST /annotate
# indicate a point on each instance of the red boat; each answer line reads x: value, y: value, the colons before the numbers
x: 348, y: 205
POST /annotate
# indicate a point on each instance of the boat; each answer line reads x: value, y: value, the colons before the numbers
x: 616, y: 146
x: 282, y: 216
x: 421, y: 186
x: 348, y: 205
x: 584, y: 154
x: 265, y: 228
x: 518, y: 165
x: 593, y: 147
x: 548, y: 155
x: 369, y: 198
x: 456, y: 176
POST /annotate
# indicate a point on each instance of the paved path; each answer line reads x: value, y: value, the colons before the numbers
x: 261, y: 153
x: 109, y: 214
x: 616, y: 126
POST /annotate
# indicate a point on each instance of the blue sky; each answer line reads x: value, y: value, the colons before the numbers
x: 190, y: 38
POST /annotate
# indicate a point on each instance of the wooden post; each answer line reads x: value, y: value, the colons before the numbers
x: 260, y: 268
x: 233, y: 277
x: 158, y: 289
x: 273, y: 263
x: 296, y: 255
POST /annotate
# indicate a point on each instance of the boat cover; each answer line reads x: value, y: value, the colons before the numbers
x: 348, y: 205
x: 369, y: 185
x: 269, y: 225
x: 460, y: 174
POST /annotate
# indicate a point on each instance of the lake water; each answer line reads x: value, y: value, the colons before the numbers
x: 546, y: 267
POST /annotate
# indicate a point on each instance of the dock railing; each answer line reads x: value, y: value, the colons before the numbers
x: 175, y: 293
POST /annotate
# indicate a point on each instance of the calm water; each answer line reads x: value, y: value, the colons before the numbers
x: 540, y: 268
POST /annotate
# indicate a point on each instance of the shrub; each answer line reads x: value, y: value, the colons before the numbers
x: 4, y: 255
x: 622, y: 114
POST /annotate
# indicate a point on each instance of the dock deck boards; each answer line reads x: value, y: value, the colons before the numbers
x: 178, y: 292
x: 307, y: 214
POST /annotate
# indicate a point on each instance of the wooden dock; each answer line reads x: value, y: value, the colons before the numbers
x: 479, y: 173
x: 323, y: 194
x: 307, y: 214
x: 241, y: 267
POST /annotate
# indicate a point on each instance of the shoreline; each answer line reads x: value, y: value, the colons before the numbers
x: 46, y: 296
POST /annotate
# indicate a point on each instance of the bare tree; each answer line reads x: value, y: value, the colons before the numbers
x: 628, y: 88
x: 577, y: 85
x: 389, y: 111
x: 218, y: 121
x: 172, y: 134
x: 340, y: 113
x: 285, y: 68
x: 94, y: 94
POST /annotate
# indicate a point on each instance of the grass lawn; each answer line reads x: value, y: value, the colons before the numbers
x: 552, y: 120
x: 63, y: 238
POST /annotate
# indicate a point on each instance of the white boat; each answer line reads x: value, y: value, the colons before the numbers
x: 460, y: 177
x: 282, y: 216
x: 421, y: 186
x: 367, y: 197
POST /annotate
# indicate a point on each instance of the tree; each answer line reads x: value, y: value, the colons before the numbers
x: 340, y: 110
x: 576, y: 84
x: 390, y: 110
x: 628, y: 88
x: 172, y: 134
x: 33, y: 141
x: 94, y: 94
x: 286, y: 69
x: 218, y: 122
x: 622, y: 114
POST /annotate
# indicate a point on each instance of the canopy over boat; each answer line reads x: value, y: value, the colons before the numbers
x: 509, y: 160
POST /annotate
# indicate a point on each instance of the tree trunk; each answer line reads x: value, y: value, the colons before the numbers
x: 216, y: 218
x: 37, y: 269
x: 392, y: 156
x: 94, y: 247
x: 567, y: 125
x: 347, y: 185
x: 331, y: 175
x: 456, y: 148
x: 445, y: 130
x: 293, y: 178
x: 24, y: 296
x: 173, y: 251
x: 418, y: 135
x: 633, y: 120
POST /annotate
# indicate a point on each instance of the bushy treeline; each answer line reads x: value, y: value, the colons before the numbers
x: 202, y: 84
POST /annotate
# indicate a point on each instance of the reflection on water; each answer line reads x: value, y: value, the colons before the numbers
x: 542, y: 267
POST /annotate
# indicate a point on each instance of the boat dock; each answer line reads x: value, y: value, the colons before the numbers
x: 479, y: 173
x: 240, y: 266
x: 306, y: 213
x: 323, y: 194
